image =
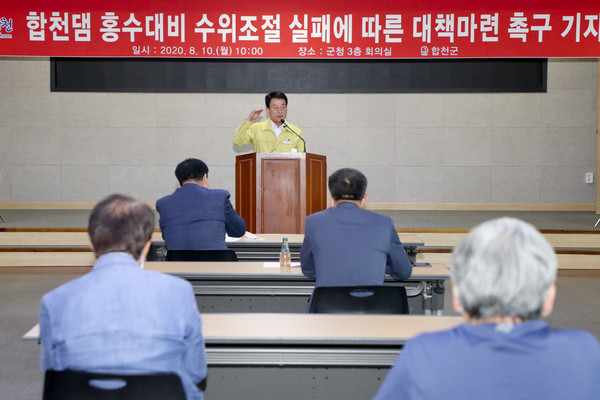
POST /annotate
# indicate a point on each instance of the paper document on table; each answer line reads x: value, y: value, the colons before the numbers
x: 275, y: 264
x: 229, y: 239
x: 251, y: 236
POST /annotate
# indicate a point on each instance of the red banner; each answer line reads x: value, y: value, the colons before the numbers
x: 329, y: 29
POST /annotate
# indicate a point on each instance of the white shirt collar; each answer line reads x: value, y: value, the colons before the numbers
x: 277, y: 129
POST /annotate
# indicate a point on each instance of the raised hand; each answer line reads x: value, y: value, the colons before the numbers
x: 254, y: 114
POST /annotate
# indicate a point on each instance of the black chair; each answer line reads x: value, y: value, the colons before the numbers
x: 359, y: 300
x: 201, y: 255
x: 81, y: 385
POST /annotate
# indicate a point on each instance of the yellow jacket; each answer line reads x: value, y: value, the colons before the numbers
x: 264, y: 139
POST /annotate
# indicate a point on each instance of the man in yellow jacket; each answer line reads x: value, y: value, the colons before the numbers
x: 273, y: 135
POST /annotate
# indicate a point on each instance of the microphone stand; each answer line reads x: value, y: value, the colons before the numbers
x: 287, y: 126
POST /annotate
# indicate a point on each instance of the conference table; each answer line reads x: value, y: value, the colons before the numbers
x: 303, y: 356
x: 266, y: 246
x: 259, y: 287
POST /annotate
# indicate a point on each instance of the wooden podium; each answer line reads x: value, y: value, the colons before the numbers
x: 274, y: 192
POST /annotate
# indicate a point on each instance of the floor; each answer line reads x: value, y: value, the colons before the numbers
x: 577, y: 304
x: 402, y: 219
x: 468, y: 219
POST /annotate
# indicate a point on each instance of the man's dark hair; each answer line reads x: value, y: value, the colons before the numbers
x: 275, y: 95
x: 347, y: 184
x: 191, y: 169
x: 120, y: 223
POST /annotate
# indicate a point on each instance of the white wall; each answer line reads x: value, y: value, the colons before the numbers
x: 412, y: 147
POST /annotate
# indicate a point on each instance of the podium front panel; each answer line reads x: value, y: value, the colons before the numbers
x: 281, y: 183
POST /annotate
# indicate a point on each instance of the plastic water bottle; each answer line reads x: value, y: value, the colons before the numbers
x: 285, y: 258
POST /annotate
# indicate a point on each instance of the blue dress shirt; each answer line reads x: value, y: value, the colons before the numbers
x: 527, y: 361
x: 119, y: 318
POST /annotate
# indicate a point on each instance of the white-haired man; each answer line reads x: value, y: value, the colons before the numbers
x: 503, y: 275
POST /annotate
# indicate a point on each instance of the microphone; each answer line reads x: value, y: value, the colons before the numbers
x: 287, y: 126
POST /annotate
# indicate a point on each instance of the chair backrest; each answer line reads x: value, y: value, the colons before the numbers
x: 359, y: 300
x: 78, y: 385
x: 201, y: 255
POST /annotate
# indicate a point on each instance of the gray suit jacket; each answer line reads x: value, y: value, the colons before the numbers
x: 349, y: 246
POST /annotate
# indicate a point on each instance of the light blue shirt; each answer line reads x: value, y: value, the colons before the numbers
x: 526, y: 361
x: 121, y: 319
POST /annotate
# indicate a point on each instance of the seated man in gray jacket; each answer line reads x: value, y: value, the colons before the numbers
x: 347, y: 245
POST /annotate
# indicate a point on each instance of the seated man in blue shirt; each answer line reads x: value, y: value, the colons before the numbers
x: 119, y: 318
x: 347, y: 245
x: 503, y: 276
x: 195, y: 217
